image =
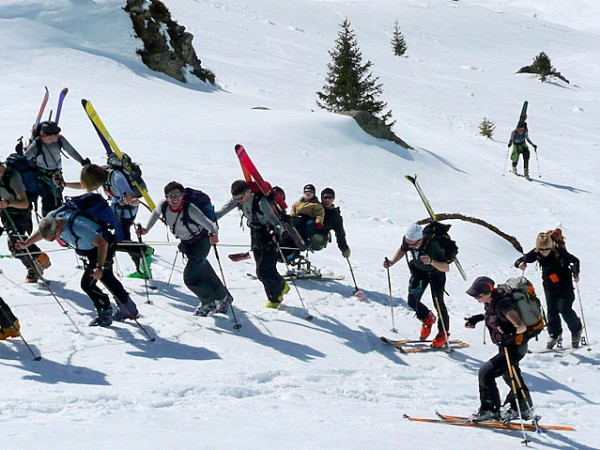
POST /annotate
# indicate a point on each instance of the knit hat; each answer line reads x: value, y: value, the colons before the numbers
x: 414, y: 232
x: 482, y: 285
x: 310, y: 188
x: 327, y: 191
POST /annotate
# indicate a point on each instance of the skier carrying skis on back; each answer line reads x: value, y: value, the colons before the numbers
x: 45, y: 155
x: 428, y: 266
x: 507, y: 332
x: 518, y: 139
x: 265, y: 229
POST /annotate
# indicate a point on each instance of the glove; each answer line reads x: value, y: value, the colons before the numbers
x: 318, y: 226
x: 85, y: 162
x: 534, y: 147
x: 470, y: 322
x: 346, y: 253
x: 508, y: 145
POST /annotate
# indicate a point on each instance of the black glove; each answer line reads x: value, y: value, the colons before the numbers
x: 535, y: 147
x: 470, y: 322
x: 85, y: 162
x: 508, y: 145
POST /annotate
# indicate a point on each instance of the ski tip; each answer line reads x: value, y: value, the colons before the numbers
x: 238, y: 146
x: 84, y: 102
x: 359, y: 293
x: 65, y: 90
x: 37, y: 358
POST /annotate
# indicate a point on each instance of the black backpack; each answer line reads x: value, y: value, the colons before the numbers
x: 436, y: 231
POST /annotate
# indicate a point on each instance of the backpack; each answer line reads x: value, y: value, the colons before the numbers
x: 436, y: 231
x: 558, y: 238
x: 131, y: 170
x: 94, y: 207
x: 18, y: 163
x: 198, y: 199
x: 528, y: 304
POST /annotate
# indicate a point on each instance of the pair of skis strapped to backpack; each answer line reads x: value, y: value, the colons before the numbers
x: 258, y: 185
x: 111, y: 147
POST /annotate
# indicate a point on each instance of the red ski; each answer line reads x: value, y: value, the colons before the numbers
x: 257, y: 184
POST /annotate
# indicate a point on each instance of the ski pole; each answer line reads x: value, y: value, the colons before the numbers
x: 587, y: 339
x: 538, y: 162
x: 357, y: 291
x: 12, y: 325
x: 38, y: 271
x: 512, y: 376
x: 308, y: 315
x: 505, y: 161
x: 441, y: 318
x: 389, y: 278
x: 515, y: 394
x: 237, y: 325
x: 144, y: 264
x: 173, y: 267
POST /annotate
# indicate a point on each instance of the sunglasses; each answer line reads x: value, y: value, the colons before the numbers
x: 175, y: 195
x: 239, y: 197
x: 328, y: 197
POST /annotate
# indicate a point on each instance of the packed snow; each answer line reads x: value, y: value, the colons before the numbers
x: 282, y: 381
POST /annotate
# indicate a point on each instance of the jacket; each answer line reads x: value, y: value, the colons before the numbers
x: 312, y: 208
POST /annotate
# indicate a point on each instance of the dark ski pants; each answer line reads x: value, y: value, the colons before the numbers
x: 419, y: 280
x: 134, y: 251
x: 90, y: 286
x: 561, y: 306
x: 498, y: 367
x: 198, y: 274
x: 19, y: 226
x: 50, y: 194
x: 520, y: 149
x: 265, y: 254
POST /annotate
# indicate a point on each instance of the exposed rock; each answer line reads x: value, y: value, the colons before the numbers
x: 167, y: 46
x: 375, y: 126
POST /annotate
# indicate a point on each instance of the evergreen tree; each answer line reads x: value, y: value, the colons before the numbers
x: 349, y: 85
x: 487, y: 127
x: 542, y: 66
x: 398, y: 43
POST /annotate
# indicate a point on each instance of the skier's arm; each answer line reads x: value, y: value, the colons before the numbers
x: 528, y: 257
x: 226, y: 208
x: 397, y: 257
x: 270, y: 215
x: 513, y: 317
x: 152, y: 219
x: 102, y: 245
x: 35, y: 237
x: 198, y: 217
x: 442, y: 266
x: 67, y: 147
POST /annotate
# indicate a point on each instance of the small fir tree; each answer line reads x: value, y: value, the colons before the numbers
x: 349, y: 86
x: 486, y: 128
x: 543, y: 66
x: 398, y: 43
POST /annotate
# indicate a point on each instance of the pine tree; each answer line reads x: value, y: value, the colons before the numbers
x: 349, y: 86
x: 542, y: 66
x: 487, y: 127
x: 398, y: 43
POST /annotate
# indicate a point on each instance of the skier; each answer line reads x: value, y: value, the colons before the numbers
x: 265, y: 230
x: 505, y: 327
x: 308, y: 213
x: 45, y: 155
x: 16, y: 219
x: 518, y: 139
x: 124, y: 203
x: 428, y: 266
x: 97, y: 245
x: 197, y: 234
x: 559, y: 269
x: 333, y: 222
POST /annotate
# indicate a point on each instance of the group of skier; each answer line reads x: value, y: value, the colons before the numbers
x: 185, y: 212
